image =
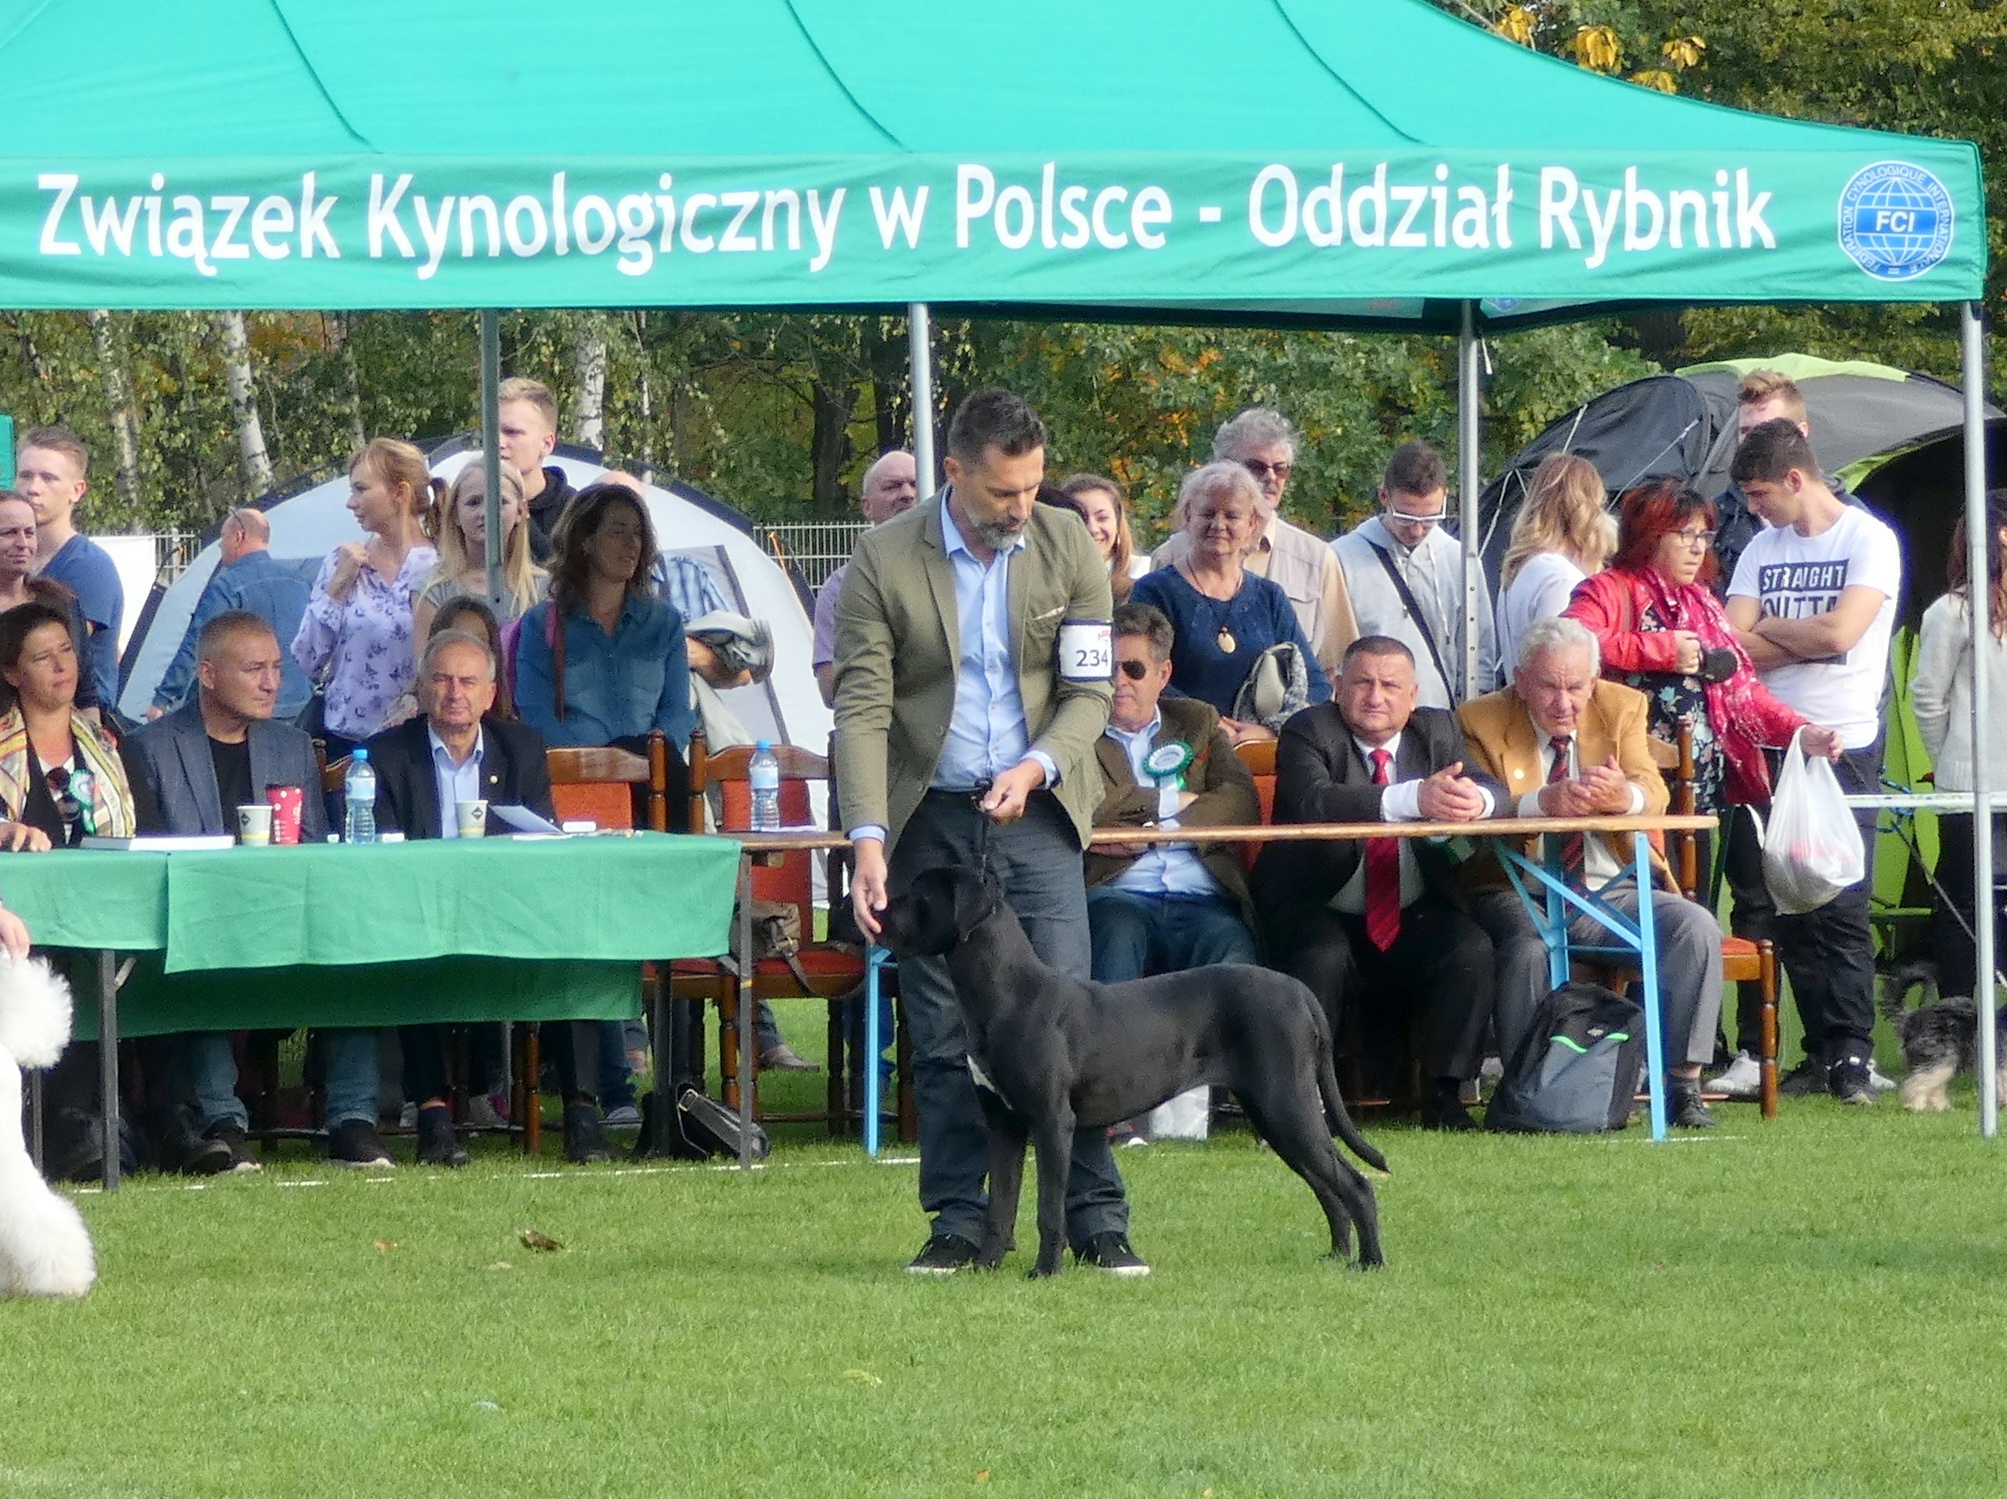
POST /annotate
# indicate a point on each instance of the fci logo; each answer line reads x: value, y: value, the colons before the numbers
x: 1895, y: 220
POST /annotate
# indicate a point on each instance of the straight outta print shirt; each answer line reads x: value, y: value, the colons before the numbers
x: 1797, y: 577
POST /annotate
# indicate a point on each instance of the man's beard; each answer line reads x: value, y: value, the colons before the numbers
x: 999, y: 536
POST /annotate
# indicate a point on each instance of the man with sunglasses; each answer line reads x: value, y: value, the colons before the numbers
x: 1404, y: 571
x: 1166, y: 763
x: 1263, y: 441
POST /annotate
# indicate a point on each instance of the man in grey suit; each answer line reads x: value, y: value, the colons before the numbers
x: 189, y: 772
x: 973, y: 660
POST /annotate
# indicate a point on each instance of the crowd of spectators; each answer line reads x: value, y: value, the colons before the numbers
x: 1615, y: 626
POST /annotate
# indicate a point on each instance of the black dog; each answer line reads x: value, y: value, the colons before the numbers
x: 1940, y: 1037
x: 1051, y: 1054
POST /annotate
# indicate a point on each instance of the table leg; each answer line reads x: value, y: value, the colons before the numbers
x: 745, y: 1013
x: 1648, y: 970
x: 108, y: 1061
x: 874, y: 962
x: 35, y: 1119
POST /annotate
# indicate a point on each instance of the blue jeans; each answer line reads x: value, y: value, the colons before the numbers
x: 353, y: 1082
x: 1037, y: 861
x: 1138, y: 935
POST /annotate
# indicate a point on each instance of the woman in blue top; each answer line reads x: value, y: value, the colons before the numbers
x: 603, y: 660
x: 1224, y: 615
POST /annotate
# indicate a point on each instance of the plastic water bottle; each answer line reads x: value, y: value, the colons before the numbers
x: 359, y: 795
x: 763, y: 773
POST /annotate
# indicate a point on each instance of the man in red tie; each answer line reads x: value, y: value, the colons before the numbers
x: 1373, y: 925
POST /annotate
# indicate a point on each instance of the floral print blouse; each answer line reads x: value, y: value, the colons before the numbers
x: 359, y: 648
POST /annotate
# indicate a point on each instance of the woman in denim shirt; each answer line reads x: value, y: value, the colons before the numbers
x: 603, y: 660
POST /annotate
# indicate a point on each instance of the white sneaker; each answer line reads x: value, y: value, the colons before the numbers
x: 1879, y: 1083
x: 1742, y: 1078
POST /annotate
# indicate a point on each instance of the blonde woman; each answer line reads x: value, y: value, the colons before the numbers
x: 355, y: 636
x: 1562, y: 535
x: 463, y: 543
x: 1105, y: 508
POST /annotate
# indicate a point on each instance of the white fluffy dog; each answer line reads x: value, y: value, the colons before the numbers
x: 44, y: 1248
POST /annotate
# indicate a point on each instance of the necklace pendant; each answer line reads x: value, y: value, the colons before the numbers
x: 1226, y: 641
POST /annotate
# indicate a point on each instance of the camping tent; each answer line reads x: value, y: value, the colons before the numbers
x: 309, y: 523
x: 1263, y: 160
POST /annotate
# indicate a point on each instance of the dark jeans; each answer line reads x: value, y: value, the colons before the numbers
x: 1951, y: 944
x: 1828, y: 954
x: 1437, y: 977
x: 1137, y: 935
x: 1037, y: 862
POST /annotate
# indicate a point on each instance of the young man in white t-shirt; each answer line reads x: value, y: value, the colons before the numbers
x: 1813, y: 601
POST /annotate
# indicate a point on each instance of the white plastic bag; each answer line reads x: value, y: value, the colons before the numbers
x: 1812, y: 848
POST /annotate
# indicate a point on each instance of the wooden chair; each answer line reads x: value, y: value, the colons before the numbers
x: 826, y: 970
x: 1259, y: 758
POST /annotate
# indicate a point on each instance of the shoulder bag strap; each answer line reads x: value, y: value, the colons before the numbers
x: 1450, y: 684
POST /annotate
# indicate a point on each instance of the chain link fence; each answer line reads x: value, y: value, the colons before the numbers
x: 815, y: 549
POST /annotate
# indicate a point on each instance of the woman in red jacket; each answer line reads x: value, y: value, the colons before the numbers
x: 1664, y: 632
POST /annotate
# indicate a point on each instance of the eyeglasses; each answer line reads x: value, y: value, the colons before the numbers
x: 1262, y: 470
x: 1694, y: 541
x: 72, y: 790
x: 1134, y: 670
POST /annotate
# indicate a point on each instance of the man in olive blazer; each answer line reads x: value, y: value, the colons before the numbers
x: 963, y: 738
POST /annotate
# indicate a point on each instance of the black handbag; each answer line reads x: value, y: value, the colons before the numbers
x: 699, y: 1128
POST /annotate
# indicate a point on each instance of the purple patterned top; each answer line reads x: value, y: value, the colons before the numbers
x: 363, y: 642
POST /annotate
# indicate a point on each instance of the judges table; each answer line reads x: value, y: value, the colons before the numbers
x: 1549, y: 900
x: 370, y: 935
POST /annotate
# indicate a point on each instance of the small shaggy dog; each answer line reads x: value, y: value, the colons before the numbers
x: 44, y: 1248
x: 1940, y: 1038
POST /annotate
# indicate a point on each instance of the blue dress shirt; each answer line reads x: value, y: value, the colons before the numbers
x: 453, y: 783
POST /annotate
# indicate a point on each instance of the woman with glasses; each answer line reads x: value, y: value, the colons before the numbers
x: 1225, y: 617
x: 60, y: 778
x: 1560, y: 536
x: 1663, y: 631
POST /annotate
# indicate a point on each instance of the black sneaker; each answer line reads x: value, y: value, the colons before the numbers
x: 187, y: 1153
x: 354, y: 1144
x: 232, y: 1135
x: 1802, y: 1081
x: 1684, y: 1107
x: 584, y: 1141
x: 1111, y: 1252
x: 1849, y: 1082
x: 438, y: 1145
x: 944, y: 1254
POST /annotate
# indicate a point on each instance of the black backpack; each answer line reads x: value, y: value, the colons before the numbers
x: 1577, y: 1069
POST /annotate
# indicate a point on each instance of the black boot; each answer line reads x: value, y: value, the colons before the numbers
x: 1442, y: 1106
x: 1684, y: 1109
x: 584, y: 1142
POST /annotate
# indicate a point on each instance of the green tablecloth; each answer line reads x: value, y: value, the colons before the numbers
x: 633, y: 898
x: 486, y: 929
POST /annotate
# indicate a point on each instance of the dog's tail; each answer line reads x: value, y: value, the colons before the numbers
x: 1916, y: 973
x: 1335, y: 1116
x: 34, y: 1011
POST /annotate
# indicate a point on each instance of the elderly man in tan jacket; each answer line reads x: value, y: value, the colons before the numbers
x: 1566, y: 743
x: 973, y: 657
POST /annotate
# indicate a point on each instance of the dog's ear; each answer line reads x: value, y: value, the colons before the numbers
x: 972, y: 898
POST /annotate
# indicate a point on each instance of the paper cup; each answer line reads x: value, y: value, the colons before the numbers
x: 287, y: 803
x: 471, y: 818
x: 254, y: 824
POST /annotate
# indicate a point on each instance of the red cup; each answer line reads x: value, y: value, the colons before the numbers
x: 287, y: 802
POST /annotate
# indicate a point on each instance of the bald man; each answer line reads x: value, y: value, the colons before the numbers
x: 249, y: 578
x: 890, y: 487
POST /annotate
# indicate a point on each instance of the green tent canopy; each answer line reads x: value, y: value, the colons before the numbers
x: 1335, y: 161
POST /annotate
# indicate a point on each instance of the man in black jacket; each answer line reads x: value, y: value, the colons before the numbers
x: 1375, y: 923
x: 424, y: 767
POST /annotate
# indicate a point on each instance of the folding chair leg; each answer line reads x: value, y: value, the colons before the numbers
x: 1766, y: 957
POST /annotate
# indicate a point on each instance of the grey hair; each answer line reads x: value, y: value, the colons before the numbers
x: 446, y: 638
x: 1559, y: 633
x: 1256, y: 427
x: 1217, y: 478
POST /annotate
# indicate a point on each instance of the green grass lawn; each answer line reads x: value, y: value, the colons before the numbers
x: 1813, y: 1306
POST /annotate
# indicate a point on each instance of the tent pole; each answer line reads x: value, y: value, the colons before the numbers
x: 920, y: 354
x: 1468, y: 483
x: 1979, y: 549
x: 491, y: 444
